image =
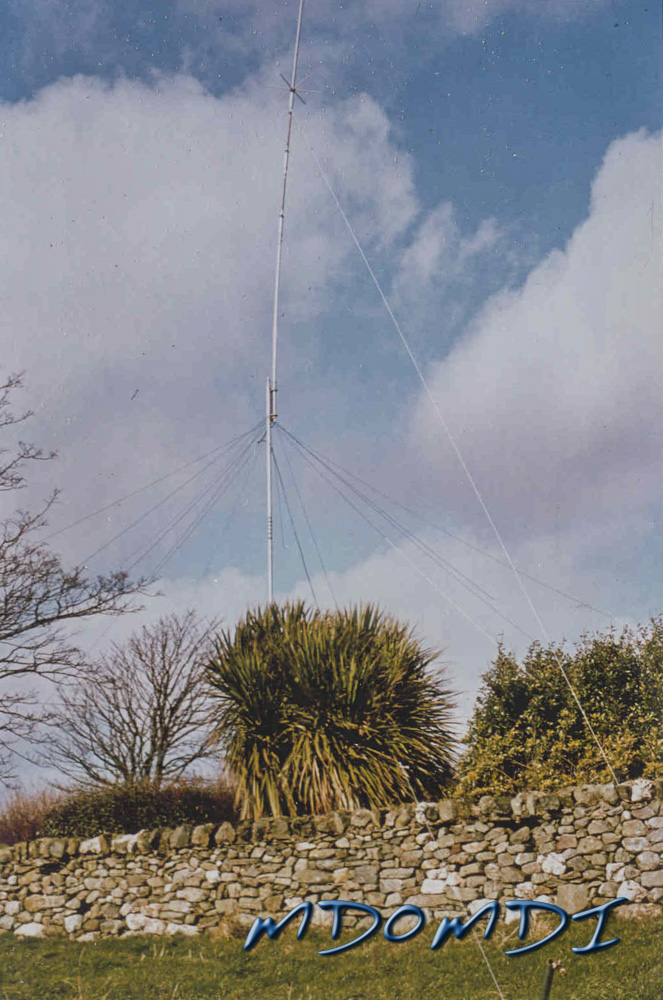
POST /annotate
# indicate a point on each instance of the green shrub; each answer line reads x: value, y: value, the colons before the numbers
x: 130, y: 808
x: 325, y: 710
x: 527, y: 730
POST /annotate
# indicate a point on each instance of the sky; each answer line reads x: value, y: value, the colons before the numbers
x: 499, y: 164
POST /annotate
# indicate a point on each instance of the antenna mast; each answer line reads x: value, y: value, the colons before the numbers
x: 270, y: 414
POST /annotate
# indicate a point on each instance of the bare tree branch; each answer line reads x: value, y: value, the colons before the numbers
x: 39, y: 598
x: 11, y: 467
x: 141, y: 712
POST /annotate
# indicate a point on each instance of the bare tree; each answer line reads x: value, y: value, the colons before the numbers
x: 140, y: 713
x: 39, y: 598
x: 12, y: 461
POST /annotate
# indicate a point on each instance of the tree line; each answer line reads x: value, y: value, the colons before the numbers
x: 310, y: 710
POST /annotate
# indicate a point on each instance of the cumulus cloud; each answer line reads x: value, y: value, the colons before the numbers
x: 461, y: 604
x: 553, y: 393
x: 139, y: 225
x: 438, y: 256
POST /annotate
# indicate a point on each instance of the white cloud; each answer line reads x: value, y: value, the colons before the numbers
x: 139, y: 228
x: 553, y: 393
x: 463, y: 619
x: 139, y: 235
x: 439, y: 254
x: 554, y: 396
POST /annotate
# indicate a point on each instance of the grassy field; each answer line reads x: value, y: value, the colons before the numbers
x: 184, y: 969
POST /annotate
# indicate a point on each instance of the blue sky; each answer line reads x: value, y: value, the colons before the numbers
x: 500, y: 162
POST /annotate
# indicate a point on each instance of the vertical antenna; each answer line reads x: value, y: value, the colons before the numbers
x: 271, y: 382
x: 268, y: 443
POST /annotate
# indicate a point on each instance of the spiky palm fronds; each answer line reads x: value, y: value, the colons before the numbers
x: 326, y: 710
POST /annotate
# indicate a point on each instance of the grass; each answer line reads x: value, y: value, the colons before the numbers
x: 209, y: 968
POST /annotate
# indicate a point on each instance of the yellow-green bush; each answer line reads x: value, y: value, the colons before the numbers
x: 527, y: 730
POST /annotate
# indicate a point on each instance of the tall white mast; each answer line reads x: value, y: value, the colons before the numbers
x: 270, y: 415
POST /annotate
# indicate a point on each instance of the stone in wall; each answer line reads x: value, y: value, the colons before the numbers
x: 577, y: 847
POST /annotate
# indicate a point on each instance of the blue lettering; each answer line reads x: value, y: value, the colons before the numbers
x: 260, y: 926
x: 460, y: 929
x: 339, y: 906
x: 602, y: 913
x: 447, y: 927
x: 402, y: 911
x: 525, y: 906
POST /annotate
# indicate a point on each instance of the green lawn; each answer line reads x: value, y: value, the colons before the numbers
x: 188, y: 969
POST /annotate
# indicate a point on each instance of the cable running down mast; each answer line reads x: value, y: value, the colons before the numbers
x: 270, y: 396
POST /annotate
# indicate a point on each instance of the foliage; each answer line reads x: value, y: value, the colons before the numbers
x: 133, y: 807
x: 323, y: 710
x: 527, y: 730
x: 140, y: 712
x: 22, y: 813
x: 39, y: 598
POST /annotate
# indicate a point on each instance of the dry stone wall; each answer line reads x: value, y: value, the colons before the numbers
x: 577, y: 848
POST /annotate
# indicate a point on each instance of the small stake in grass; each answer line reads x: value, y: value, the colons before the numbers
x: 548, y: 978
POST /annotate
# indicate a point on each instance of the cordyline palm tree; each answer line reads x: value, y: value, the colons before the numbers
x: 329, y: 710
